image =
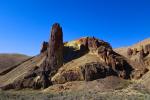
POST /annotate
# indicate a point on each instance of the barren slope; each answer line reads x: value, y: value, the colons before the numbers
x: 20, y: 70
x: 9, y: 60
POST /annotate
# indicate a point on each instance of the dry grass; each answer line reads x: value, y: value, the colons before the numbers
x: 124, y: 94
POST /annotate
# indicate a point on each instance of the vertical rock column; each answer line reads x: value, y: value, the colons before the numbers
x: 54, y: 59
x: 55, y: 50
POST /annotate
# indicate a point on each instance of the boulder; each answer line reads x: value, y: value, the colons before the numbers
x: 95, y: 70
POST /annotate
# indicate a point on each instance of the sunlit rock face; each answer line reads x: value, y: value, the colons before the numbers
x: 139, y: 58
x: 91, y: 59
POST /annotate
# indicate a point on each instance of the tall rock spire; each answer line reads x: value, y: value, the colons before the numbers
x: 55, y: 50
x: 54, y: 59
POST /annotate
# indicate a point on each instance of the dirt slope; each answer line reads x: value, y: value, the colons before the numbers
x: 9, y: 60
x: 20, y: 70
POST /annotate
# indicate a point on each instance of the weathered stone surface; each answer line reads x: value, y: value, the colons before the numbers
x: 137, y: 74
x: 44, y: 47
x: 98, y: 60
x: 129, y: 52
x: 94, y: 70
x: 137, y: 59
x: 92, y: 43
x: 147, y: 48
x: 135, y: 51
x: 111, y: 63
x: 54, y: 58
x: 40, y: 76
x: 116, y: 62
x: 82, y: 46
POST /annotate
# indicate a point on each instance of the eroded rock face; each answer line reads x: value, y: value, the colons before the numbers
x: 111, y: 63
x: 129, y: 52
x: 40, y: 76
x: 44, y: 47
x: 54, y: 59
x: 95, y: 70
x: 82, y: 46
x: 138, y: 61
x: 92, y: 43
x: 52, y: 71
x: 147, y: 48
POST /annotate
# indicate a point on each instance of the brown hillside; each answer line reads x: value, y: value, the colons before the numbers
x: 9, y: 60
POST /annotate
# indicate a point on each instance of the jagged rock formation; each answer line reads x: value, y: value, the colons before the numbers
x: 85, y: 59
x: 54, y: 59
x: 138, y: 56
x: 44, y: 47
x: 40, y: 76
x: 108, y: 62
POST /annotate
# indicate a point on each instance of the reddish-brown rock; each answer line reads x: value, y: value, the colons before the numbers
x: 40, y: 76
x: 129, y: 52
x: 54, y: 59
x: 44, y: 47
x: 97, y: 59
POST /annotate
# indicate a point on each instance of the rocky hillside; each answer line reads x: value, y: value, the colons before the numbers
x: 87, y: 63
x: 123, y: 50
x: 139, y: 53
x: 84, y: 59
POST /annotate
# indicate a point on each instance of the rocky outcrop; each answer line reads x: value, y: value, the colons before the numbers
x: 85, y: 59
x: 82, y: 46
x: 54, y: 59
x: 54, y: 56
x: 119, y: 65
x: 147, y: 48
x: 137, y: 59
x: 129, y: 52
x: 40, y: 76
x: 44, y: 47
x: 109, y: 63
x: 95, y: 70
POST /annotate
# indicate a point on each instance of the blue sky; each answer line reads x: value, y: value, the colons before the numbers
x: 24, y: 24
